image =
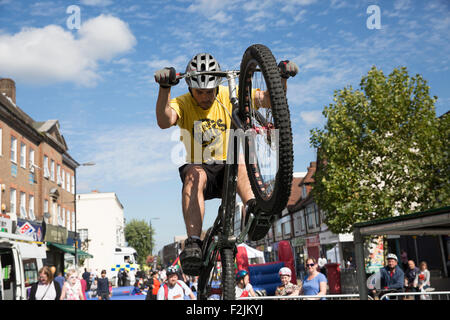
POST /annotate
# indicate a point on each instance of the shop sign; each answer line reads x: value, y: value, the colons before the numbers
x: 32, y: 229
x: 26, y: 229
x: 313, y: 241
x: 5, y: 225
x: 56, y: 234
x: 298, y: 242
x: 328, y: 237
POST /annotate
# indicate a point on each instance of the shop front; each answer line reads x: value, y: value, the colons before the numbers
x: 313, y: 246
x: 336, y: 248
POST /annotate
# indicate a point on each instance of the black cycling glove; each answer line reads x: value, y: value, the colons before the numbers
x: 288, y: 69
x: 166, y: 77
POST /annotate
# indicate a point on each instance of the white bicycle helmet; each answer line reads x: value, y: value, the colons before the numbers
x: 391, y: 256
x: 203, y: 62
x: 172, y: 270
x: 285, y: 272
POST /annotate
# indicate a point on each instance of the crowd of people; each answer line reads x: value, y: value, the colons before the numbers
x: 404, y: 277
x: 172, y: 284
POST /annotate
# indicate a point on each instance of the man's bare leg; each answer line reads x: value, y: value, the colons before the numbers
x: 244, y: 188
x: 193, y: 201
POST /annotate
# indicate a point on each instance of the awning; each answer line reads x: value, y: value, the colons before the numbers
x: 70, y: 249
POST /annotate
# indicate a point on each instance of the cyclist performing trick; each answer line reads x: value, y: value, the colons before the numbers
x: 204, y: 117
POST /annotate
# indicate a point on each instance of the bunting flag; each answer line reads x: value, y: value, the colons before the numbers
x: 177, y: 262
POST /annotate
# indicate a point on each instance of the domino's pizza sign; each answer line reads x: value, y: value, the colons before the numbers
x: 27, y: 229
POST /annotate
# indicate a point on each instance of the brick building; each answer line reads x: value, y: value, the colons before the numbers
x: 37, y: 175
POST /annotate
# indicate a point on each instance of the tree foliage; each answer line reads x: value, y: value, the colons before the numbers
x: 383, y: 152
x: 139, y: 235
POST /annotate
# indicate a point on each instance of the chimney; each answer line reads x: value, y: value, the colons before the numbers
x: 8, y: 87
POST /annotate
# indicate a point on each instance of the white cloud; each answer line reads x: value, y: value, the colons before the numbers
x: 52, y: 54
x: 312, y: 117
x: 100, y: 3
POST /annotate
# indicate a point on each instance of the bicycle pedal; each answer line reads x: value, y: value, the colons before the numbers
x: 259, y: 227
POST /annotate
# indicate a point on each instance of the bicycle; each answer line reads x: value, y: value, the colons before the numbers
x: 270, y: 181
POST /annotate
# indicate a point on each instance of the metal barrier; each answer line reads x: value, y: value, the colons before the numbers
x: 430, y: 295
x: 433, y: 295
x: 327, y: 297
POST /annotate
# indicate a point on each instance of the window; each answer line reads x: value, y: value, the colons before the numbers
x: 23, y: 155
x: 13, y: 149
x: 30, y: 271
x: 58, y: 174
x: 73, y: 185
x: 286, y: 229
x: 31, y: 208
x: 45, y: 206
x: 68, y: 182
x: 72, y: 222
x: 304, y: 193
x: 63, y: 219
x: 31, y: 160
x: 316, y: 214
x: 1, y: 141
x: 46, y: 171
x: 23, y: 210
x: 310, y: 217
x: 12, y: 201
x: 63, y: 179
x: 52, y: 169
x: 58, y: 213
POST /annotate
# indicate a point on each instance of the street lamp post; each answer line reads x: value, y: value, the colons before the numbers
x: 151, y: 232
x: 75, y: 209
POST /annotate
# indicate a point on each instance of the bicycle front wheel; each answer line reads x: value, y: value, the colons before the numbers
x: 264, y: 112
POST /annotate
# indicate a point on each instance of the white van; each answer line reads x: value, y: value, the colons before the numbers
x: 123, y: 258
x: 20, y: 260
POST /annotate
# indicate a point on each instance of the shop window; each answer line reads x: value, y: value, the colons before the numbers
x: 31, y: 271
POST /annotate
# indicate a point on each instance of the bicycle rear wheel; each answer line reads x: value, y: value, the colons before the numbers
x: 264, y: 112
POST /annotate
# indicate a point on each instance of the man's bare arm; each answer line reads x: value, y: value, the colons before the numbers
x: 165, y: 115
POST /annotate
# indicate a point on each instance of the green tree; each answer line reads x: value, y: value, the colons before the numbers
x: 139, y: 235
x: 382, y: 151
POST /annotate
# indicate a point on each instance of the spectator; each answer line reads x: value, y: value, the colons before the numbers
x: 404, y: 259
x: 314, y: 283
x: 422, y: 280
x: 72, y: 287
x: 392, y: 276
x: 322, y: 262
x: 136, y: 288
x: 83, y: 286
x: 410, y: 276
x: 174, y: 289
x: 46, y: 288
x: 60, y: 279
x: 243, y: 285
x: 350, y: 263
x: 87, y: 277
x: 153, y: 286
x: 287, y: 288
x: 103, y: 290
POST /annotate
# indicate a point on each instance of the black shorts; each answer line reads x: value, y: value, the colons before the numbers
x: 214, y: 173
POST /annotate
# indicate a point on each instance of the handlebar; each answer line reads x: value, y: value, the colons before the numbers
x: 221, y: 74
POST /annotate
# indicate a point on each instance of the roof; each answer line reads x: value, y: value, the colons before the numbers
x: 296, y: 201
x: 48, y: 129
x: 429, y: 222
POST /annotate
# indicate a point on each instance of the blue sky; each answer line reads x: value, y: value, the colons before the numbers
x: 98, y: 80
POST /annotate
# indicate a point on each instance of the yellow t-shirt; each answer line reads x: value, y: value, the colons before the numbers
x: 204, y: 132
